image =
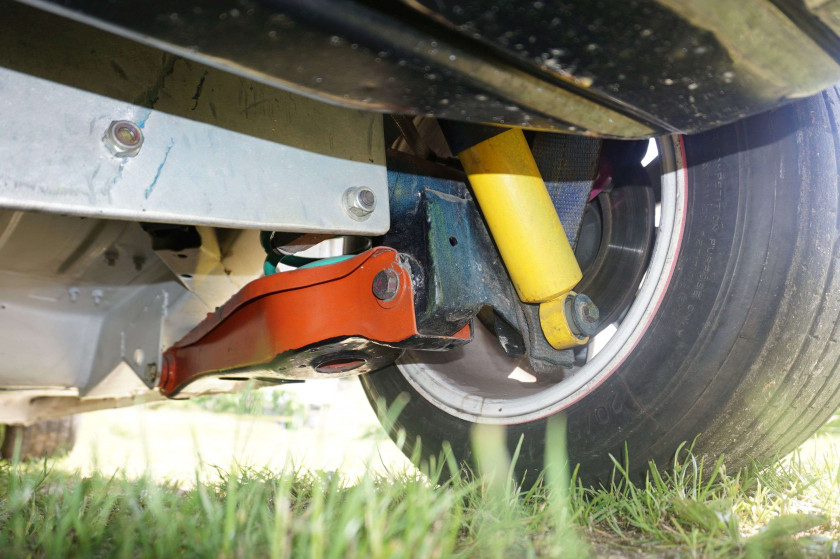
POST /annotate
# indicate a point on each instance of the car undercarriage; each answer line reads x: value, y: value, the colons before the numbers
x: 621, y: 212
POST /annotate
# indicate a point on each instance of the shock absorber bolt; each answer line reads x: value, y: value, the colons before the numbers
x: 584, y: 314
x: 359, y: 202
x: 386, y: 285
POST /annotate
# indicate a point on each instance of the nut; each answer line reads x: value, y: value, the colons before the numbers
x: 585, y: 315
x: 386, y: 285
x: 123, y: 138
x: 359, y: 202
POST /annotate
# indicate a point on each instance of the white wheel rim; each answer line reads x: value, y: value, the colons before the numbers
x: 467, y: 382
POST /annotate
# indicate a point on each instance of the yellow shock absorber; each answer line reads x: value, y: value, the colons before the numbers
x: 522, y: 219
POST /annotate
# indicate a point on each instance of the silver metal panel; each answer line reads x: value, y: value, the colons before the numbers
x: 77, y: 298
x: 131, y: 334
x: 52, y: 335
x: 44, y: 348
x: 52, y: 158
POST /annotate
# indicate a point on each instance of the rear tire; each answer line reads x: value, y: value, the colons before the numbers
x: 46, y: 439
x: 742, y: 347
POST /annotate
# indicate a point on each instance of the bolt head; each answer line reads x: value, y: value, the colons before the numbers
x: 359, y: 202
x: 123, y: 138
x: 386, y: 285
x: 585, y: 315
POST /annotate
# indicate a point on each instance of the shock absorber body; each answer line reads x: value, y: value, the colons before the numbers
x: 524, y: 223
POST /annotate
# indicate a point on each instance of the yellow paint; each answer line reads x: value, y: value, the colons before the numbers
x: 522, y: 219
x: 555, y: 324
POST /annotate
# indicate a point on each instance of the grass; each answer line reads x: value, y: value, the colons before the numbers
x: 790, y: 509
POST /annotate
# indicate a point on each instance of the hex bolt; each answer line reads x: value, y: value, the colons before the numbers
x: 123, y: 138
x: 359, y: 202
x: 386, y: 285
x: 585, y: 315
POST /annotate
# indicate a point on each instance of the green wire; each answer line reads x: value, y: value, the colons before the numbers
x: 273, y: 259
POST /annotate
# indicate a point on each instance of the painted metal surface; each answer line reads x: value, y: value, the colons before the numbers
x: 52, y: 158
x: 303, y: 324
x: 556, y: 321
x: 479, y: 386
x: 78, y: 297
x: 131, y: 333
x: 521, y: 216
x: 456, y: 269
x: 224, y: 262
x: 525, y: 226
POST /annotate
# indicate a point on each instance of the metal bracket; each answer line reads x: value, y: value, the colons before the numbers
x: 326, y: 321
x: 457, y: 269
x: 131, y: 332
x: 53, y: 158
